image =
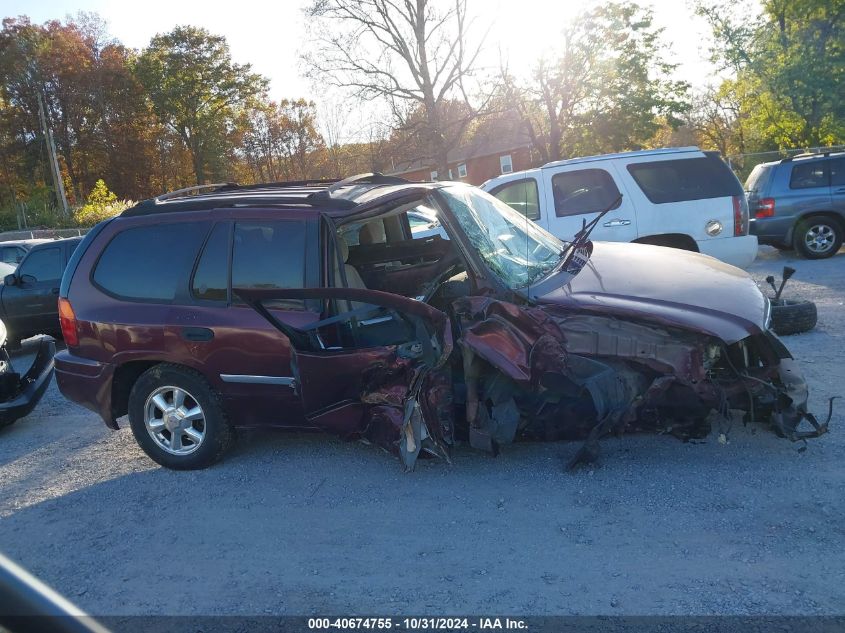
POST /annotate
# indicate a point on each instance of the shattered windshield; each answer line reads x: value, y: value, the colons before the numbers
x: 517, y: 250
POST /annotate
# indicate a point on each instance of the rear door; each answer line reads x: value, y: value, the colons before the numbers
x: 837, y: 185
x: 575, y: 193
x: 685, y: 194
x: 30, y: 305
x: 241, y: 352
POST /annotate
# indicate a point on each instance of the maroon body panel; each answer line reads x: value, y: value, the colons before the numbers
x: 115, y: 331
x: 687, y: 290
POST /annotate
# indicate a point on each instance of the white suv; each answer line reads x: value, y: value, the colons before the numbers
x: 680, y: 197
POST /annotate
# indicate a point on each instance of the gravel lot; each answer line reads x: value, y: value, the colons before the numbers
x: 302, y: 524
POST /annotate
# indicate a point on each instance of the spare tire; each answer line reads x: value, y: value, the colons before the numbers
x: 792, y: 317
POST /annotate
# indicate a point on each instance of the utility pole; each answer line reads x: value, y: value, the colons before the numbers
x: 54, y: 161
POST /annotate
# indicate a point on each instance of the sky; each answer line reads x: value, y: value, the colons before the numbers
x: 269, y: 35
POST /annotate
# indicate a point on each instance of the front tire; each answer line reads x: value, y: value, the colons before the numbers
x: 178, y: 418
x: 818, y: 237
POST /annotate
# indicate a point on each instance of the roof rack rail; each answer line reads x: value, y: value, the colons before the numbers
x: 369, y: 178
x: 226, y: 195
x: 824, y: 153
x: 178, y: 193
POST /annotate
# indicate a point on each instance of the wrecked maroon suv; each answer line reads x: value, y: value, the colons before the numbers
x: 315, y: 305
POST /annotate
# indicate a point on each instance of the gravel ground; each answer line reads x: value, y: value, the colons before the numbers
x: 302, y: 524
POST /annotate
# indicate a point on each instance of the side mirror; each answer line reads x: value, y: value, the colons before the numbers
x: 10, y: 280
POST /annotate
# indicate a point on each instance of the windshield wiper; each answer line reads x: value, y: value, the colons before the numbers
x: 582, y: 235
x: 577, y: 253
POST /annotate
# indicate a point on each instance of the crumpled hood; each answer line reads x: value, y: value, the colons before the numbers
x: 664, y: 285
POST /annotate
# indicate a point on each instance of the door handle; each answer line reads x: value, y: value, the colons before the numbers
x: 55, y: 291
x: 840, y: 190
x: 197, y: 334
x: 617, y: 222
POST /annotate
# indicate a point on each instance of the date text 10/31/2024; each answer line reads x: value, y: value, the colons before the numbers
x: 418, y: 624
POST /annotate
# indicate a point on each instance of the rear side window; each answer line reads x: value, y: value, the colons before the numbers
x: 43, y: 264
x: 150, y: 262
x: 211, y: 279
x: 684, y: 179
x: 808, y: 175
x: 583, y: 191
x: 837, y: 172
x: 521, y: 195
x: 270, y: 255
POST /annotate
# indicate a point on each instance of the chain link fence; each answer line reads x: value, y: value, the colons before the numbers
x: 742, y: 164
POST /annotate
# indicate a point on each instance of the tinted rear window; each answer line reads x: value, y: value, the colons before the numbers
x: 685, y: 179
x: 150, y: 262
x: 270, y: 255
x: 809, y: 175
x: 758, y: 177
x: 211, y: 279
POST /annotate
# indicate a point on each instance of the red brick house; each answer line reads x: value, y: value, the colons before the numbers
x: 484, y: 157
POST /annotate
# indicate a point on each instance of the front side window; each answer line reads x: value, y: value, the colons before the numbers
x: 43, y: 265
x: 505, y: 164
x: 583, y: 191
x: 150, y: 263
x: 809, y: 175
x: 271, y: 255
x: 521, y: 195
x: 684, y: 179
x: 516, y: 250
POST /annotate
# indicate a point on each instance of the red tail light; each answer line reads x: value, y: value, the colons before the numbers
x: 765, y: 208
x: 67, y: 320
x: 740, y: 215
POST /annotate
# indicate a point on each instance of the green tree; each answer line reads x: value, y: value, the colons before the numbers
x: 100, y: 205
x: 789, y: 67
x: 607, y: 88
x: 197, y: 92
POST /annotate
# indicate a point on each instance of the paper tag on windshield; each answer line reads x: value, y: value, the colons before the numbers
x: 578, y: 258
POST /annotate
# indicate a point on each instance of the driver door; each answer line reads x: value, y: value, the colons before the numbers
x: 30, y: 305
x: 339, y: 364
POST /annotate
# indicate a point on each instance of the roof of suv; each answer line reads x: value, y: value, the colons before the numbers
x: 803, y: 157
x: 644, y: 152
x: 334, y: 197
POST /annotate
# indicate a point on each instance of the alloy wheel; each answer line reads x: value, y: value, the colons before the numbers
x: 819, y: 238
x: 175, y: 420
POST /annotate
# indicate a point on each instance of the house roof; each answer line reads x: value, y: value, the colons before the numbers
x: 491, y: 142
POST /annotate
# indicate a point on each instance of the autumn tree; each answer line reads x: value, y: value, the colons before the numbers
x: 416, y: 55
x: 604, y: 90
x: 197, y: 92
x: 95, y: 107
x: 788, y: 61
x: 280, y: 141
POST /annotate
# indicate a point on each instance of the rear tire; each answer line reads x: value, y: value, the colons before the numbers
x: 818, y: 237
x: 178, y: 418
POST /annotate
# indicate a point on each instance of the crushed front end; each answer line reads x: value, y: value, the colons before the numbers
x: 545, y: 374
